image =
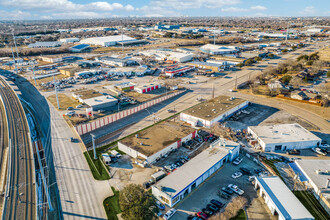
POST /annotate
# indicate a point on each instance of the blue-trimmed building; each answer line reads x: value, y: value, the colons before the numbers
x: 188, y: 177
x: 79, y: 48
x: 280, y: 200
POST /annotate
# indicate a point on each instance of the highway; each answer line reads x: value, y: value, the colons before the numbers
x: 80, y: 195
x: 20, y: 195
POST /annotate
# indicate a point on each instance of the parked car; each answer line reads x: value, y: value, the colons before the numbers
x: 79, y: 106
x: 245, y: 171
x: 236, y: 175
x: 208, y: 212
x: 201, y: 215
x: 70, y: 108
x: 72, y: 113
x: 223, y: 195
x: 227, y: 190
x: 169, y: 214
x: 237, y: 161
x: 236, y: 189
x: 217, y: 203
x: 293, y: 152
x: 160, y: 205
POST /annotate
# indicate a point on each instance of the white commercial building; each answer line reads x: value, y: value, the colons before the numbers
x: 212, y: 111
x: 219, y: 50
x: 101, y: 102
x: 147, y: 87
x: 156, y: 141
x: 316, y: 175
x: 280, y: 200
x: 69, y: 40
x: 48, y: 44
x: 168, y: 55
x: 110, y: 40
x: 176, y: 186
x: 283, y: 137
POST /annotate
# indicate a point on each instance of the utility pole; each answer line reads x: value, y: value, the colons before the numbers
x: 12, y: 52
x: 15, y: 43
x: 58, y: 102
x: 94, y: 148
x: 236, y: 83
x: 213, y: 92
x: 34, y: 75
x: 122, y: 39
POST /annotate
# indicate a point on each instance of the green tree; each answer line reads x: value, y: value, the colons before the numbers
x: 137, y: 204
x: 248, y: 62
x: 285, y: 70
x: 240, y: 65
x: 258, y: 59
x: 286, y: 79
x: 271, y: 55
x: 285, y: 50
x: 328, y: 74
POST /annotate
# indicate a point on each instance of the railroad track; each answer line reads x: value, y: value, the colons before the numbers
x: 19, y: 202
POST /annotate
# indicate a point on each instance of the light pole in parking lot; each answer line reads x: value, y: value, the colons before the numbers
x: 94, y: 148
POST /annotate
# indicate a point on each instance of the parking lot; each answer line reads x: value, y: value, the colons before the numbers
x: 198, y: 199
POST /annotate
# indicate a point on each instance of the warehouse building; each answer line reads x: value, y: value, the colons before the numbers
x: 147, y: 88
x: 176, y: 186
x: 111, y: 40
x: 125, y: 86
x: 101, y: 102
x: 219, y: 50
x: 69, y: 40
x: 218, y: 109
x: 164, y: 55
x: 68, y: 70
x: 176, y: 70
x: 45, y: 44
x: 113, y: 61
x: 80, y: 48
x: 156, y: 141
x: 283, y: 137
x: 280, y: 200
x: 315, y: 174
x: 215, y: 67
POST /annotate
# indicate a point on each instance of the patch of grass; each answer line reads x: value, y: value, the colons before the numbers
x: 312, y: 205
x: 65, y: 101
x: 272, y: 165
x: 111, y: 205
x: 97, y: 168
x: 241, y: 215
x: 119, y: 151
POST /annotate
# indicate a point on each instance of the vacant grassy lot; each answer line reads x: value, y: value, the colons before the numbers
x: 97, y: 168
x: 312, y: 205
x: 111, y: 205
x: 65, y: 101
x: 240, y: 216
x: 325, y: 54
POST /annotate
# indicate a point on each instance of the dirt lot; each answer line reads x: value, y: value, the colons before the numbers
x: 198, y: 199
x: 64, y: 100
x: 325, y: 54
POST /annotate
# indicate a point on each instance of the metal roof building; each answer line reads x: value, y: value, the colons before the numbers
x: 280, y: 200
x: 284, y: 137
x: 46, y: 44
x: 80, y: 47
x: 177, y: 185
x: 110, y: 40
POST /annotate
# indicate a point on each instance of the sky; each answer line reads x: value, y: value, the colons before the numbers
x: 76, y: 9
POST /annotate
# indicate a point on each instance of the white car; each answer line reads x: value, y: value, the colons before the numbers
x: 236, y: 175
x: 79, y: 106
x: 70, y: 113
x: 169, y: 214
x: 237, y: 161
x: 236, y: 189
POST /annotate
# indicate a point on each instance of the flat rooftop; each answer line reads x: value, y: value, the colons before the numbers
x: 158, y: 137
x: 221, y: 104
x: 309, y: 167
x: 87, y: 94
x: 284, y: 199
x: 283, y: 133
x: 100, y: 100
x: 178, y: 180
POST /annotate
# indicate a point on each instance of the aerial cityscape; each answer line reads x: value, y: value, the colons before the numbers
x: 146, y: 110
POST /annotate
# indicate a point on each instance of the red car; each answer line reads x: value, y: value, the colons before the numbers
x: 202, y: 215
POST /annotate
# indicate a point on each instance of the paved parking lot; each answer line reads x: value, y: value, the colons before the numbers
x: 208, y: 190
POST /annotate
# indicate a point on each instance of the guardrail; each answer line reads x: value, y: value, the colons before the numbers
x: 88, y: 127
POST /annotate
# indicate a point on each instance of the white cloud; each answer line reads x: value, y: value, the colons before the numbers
x: 258, y: 8
x: 252, y: 8
x: 17, y: 15
x: 59, y: 6
x: 309, y: 10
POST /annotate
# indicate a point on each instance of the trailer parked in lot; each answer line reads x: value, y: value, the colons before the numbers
x: 157, y: 176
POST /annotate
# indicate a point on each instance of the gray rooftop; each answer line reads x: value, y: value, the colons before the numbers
x: 309, y: 167
x: 283, y: 133
x: 197, y: 166
x: 284, y: 199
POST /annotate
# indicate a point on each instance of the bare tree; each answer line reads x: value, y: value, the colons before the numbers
x: 232, y: 209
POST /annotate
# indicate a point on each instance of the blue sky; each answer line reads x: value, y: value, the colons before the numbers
x: 66, y: 9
